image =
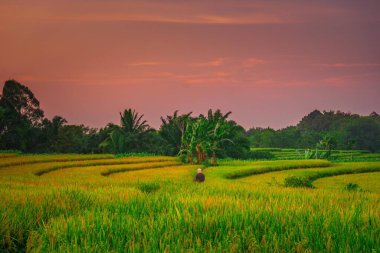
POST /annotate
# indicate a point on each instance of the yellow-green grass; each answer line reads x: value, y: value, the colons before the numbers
x: 314, y: 174
x: 366, y: 181
x: 31, y: 159
x: 7, y: 155
x: 140, y: 166
x: 162, y: 209
x: 341, y: 169
x: 266, y: 167
x: 23, y: 173
x: 119, y: 161
x: 178, y: 173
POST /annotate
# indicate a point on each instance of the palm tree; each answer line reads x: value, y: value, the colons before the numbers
x: 217, y: 116
x: 128, y: 135
x: 131, y: 122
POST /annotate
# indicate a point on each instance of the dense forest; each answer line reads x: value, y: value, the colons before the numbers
x: 24, y: 127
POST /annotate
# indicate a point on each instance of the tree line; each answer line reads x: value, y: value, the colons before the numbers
x: 340, y: 130
x: 23, y: 127
x: 195, y: 139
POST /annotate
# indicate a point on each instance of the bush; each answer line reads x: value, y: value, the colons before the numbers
x: 206, y: 163
x: 352, y: 187
x: 148, y: 187
x: 294, y: 181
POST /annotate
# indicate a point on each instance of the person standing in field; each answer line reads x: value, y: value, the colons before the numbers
x: 200, y: 177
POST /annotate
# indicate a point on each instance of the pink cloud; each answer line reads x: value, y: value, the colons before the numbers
x: 213, y: 63
x: 147, y: 63
x: 350, y: 65
x: 252, y: 62
x: 335, y: 81
x: 208, y: 81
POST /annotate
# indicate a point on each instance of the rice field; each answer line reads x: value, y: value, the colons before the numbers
x: 336, y: 155
x: 103, y: 203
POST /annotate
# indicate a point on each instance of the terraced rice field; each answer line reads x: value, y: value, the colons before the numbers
x: 99, y: 203
x: 336, y: 155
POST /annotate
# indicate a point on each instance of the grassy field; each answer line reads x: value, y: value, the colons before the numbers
x: 102, y: 203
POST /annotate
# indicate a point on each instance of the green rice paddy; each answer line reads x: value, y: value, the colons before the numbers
x: 103, y: 203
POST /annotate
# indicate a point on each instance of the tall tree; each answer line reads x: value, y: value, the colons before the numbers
x: 196, y: 140
x: 363, y: 134
x: 172, y: 129
x: 220, y: 129
x: 239, y: 147
x: 129, y: 135
x: 72, y: 139
x: 213, y: 134
x: 20, y: 114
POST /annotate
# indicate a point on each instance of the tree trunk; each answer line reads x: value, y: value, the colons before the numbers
x: 213, y: 161
x: 197, y: 149
x: 190, y: 159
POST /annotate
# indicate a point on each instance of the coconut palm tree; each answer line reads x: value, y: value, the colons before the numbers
x: 127, y: 136
x: 132, y: 122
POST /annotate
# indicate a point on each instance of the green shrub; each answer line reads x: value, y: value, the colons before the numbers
x: 294, y: 181
x: 352, y: 187
x: 148, y: 187
x: 206, y: 163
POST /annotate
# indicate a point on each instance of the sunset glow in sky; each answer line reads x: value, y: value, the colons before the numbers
x: 269, y: 62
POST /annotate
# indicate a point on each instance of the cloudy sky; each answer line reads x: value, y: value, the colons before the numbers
x: 269, y: 62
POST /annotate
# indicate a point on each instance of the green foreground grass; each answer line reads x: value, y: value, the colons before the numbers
x: 154, y: 206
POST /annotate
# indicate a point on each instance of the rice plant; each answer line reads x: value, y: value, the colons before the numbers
x: 341, y: 169
x: 156, y: 207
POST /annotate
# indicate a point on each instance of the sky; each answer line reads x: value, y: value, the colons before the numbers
x: 269, y: 62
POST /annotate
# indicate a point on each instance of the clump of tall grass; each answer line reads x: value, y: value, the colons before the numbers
x: 148, y: 187
x: 352, y: 187
x: 294, y: 181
